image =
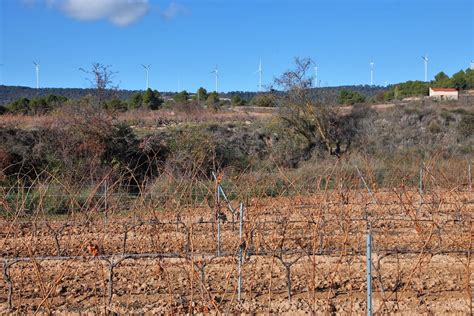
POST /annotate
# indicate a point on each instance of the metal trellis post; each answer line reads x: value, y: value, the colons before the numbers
x: 218, y: 215
x: 369, y: 272
x: 421, y: 179
x: 218, y: 234
x: 469, y: 175
x: 241, y: 252
x: 105, y: 203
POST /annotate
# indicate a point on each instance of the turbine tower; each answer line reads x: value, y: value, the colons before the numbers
x: 425, y: 59
x: 259, y: 71
x: 315, y: 76
x: 216, y: 73
x: 37, y: 66
x: 372, y: 73
x: 147, y: 69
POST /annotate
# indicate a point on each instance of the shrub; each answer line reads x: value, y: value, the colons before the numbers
x: 213, y: 100
x: 349, y: 97
x: 41, y: 105
x: 434, y: 127
x: 150, y: 99
x: 192, y: 152
x: 201, y: 94
x: 263, y: 100
x: 181, y: 97
x: 135, y: 100
x: 466, y: 126
x: 116, y: 105
x: 237, y: 101
x: 20, y: 106
x: 407, y: 89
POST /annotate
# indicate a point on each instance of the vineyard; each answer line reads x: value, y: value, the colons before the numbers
x: 345, y: 243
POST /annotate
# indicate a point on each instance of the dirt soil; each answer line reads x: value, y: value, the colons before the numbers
x: 301, y: 255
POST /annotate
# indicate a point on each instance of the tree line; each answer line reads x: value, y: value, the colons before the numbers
x: 461, y: 80
x: 105, y: 95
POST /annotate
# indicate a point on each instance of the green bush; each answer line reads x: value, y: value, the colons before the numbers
x: 41, y: 105
x: 213, y: 100
x: 181, y: 97
x: 116, y: 105
x: 150, y: 99
x: 201, y: 94
x: 237, y: 101
x: 263, y: 100
x: 349, y: 97
x: 20, y: 106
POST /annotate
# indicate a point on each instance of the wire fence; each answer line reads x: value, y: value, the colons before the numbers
x: 287, y: 241
x: 406, y: 253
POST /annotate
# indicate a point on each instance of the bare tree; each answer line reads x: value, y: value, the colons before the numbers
x: 316, y: 122
x: 101, y: 79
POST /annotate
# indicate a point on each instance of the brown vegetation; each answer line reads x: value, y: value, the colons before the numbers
x: 103, y: 211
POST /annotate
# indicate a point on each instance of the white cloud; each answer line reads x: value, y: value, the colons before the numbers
x: 119, y: 12
x: 173, y: 10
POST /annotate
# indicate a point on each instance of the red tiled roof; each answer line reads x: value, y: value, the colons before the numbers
x: 444, y: 89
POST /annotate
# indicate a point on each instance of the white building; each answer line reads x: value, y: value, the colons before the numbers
x: 444, y: 93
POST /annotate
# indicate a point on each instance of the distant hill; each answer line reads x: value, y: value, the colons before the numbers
x: 331, y: 94
x: 323, y: 94
x: 11, y: 93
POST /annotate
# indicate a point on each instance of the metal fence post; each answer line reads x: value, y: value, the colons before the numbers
x: 241, y: 252
x: 218, y: 215
x: 369, y: 272
x: 105, y: 203
x: 421, y: 179
x: 110, y: 285
x: 469, y: 175
x: 218, y: 235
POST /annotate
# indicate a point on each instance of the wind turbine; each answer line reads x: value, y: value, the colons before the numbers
x: 372, y: 73
x: 147, y: 69
x: 315, y: 76
x: 259, y: 71
x: 37, y: 66
x: 425, y: 59
x: 216, y: 72
x: 471, y: 65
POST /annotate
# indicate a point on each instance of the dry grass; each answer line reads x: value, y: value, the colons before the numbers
x: 25, y: 121
x: 147, y: 119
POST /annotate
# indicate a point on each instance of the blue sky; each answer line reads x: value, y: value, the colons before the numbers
x: 184, y: 40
